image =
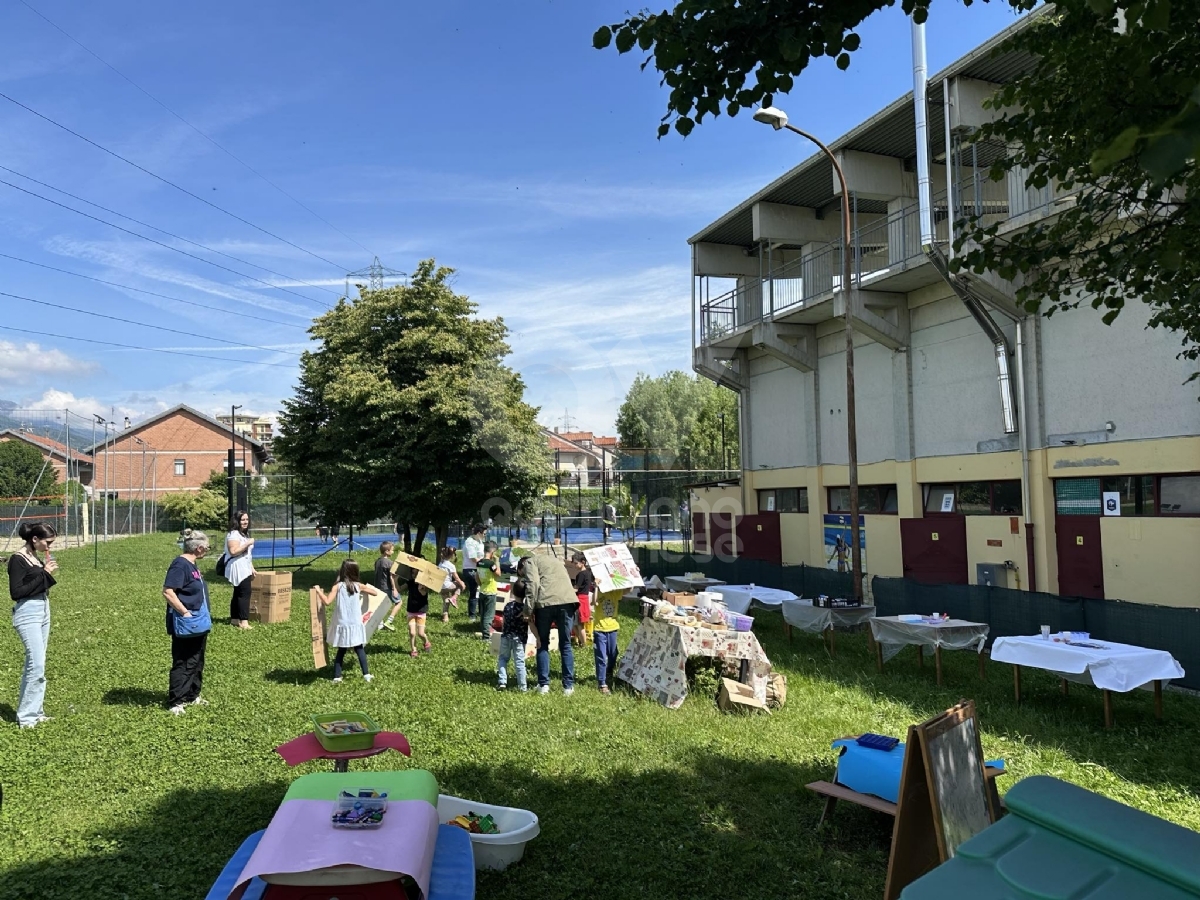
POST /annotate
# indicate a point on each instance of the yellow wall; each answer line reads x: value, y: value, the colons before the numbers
x: 981, y: 529
x: 793, y: 535
x: 1151, y: 559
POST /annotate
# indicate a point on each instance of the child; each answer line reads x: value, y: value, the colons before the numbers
x: 606, y: 629
x: 346, y: 630
x: 418, y: 609
x: 585, y: 589
x: 486, y: 569
x: 386, y: 582
x: 453, y: 584
x: 514, y: 635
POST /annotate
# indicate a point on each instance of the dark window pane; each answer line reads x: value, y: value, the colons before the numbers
x: 1145, y: 502
x: 766, y: 501
x: 785, y: 500
x: 1006, y: 498
x: 937, y: 501
x: 889, y: 498
x: 1127, y: 488
x: 802, y: 500
x: 839, y: 500
x: 868, y: 499
x: 1179, y: 495
x: 974, y: 498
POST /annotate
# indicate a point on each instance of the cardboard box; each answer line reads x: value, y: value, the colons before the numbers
x: 734, y: 696
x: 317, y: 624
x: 679, y: 598
x: 271, y: 597
x: 418, y: 569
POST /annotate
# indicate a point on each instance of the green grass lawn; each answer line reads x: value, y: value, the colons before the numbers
x: 117, y: 798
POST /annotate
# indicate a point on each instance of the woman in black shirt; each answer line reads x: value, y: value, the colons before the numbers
x: 29, y: 583
x: 187, y: 595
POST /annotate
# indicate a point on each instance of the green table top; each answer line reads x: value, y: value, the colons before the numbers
x: 1061, y: 842
x: 409, y: 784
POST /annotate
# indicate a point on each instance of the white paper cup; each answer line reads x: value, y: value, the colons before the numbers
x: 1045, y: 632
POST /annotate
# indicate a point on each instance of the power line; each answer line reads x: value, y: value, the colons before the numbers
x: 209, y: 262
x: 167, y: 181
x: 67, y: 337
x: 211, y: 140
x: 315, y: 287
x: 127, y: 287
x: 191, y: 334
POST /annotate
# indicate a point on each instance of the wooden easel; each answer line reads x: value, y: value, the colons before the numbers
x: 944, y: 799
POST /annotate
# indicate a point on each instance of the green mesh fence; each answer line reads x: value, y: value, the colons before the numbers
x: 1007, y: 612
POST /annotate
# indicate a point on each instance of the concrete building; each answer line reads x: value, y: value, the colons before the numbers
x: 176, y: 450
x: 989, y: 440
x: 260, y: 428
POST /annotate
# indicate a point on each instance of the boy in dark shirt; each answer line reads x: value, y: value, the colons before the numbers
x: 386, y: 582
x: 514, y: 635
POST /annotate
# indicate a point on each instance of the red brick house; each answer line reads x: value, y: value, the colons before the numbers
x: 189, y: 447
x: 80, y: 464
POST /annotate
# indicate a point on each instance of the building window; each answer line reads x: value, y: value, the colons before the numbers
x: 1179, y: 495
x: 181, y: 467
x: 974, y: 498
x: 783, y: 500
x: 1137, y: 493
x: 872, y: 499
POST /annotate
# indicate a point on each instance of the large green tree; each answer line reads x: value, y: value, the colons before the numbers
x: 680, y: 415
x: 1110, y: 110
x: 407, y: 411
x: 25, y: 473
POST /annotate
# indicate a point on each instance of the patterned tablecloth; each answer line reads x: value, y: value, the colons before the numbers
x: 655, y: 660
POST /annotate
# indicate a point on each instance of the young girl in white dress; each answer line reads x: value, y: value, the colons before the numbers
x: 346, y: 630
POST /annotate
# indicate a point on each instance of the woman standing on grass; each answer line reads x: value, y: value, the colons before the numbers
x: 239, y: 568
x: 187, y: 598
x: 29, y: 583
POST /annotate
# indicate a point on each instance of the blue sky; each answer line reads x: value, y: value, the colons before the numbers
x: 489, y: 136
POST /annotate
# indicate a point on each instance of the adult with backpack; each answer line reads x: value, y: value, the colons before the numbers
x: 237, y: 566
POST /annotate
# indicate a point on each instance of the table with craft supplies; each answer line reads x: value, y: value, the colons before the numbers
x: 740, y: 597
x: 808, y: 616
x: 655, y: 661
x: 1080, y: 658
x: 893, y: 633
x: 306, y: 748
x: 685, y: 583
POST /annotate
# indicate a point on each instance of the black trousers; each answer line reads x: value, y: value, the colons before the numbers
x: 187, y: 669
x: 239, y: 603
x: 341, y: 656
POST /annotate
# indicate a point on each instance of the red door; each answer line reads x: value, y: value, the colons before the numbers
x: 1080, y: 563
x: 722, y: 535
x: 935, y: 549
x: 759, y: 537
x: 699, y: 533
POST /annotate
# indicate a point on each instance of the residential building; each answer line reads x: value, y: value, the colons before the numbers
x: 68, y: 464
x: 582, y: 457
x: 1048, y: 453
x: 176, y: 450
x: 260, y: 428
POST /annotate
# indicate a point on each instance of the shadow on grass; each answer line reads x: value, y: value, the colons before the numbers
x: 7, y: 713
x: 299, y: 676
x: 134, y: 696
x: 707, y: 827
x: 475, y: 676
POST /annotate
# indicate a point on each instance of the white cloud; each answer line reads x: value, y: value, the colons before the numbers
x: 135, y: 407
x: 24, y: 363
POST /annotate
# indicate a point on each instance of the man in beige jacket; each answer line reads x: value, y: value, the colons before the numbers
x: 550, y: 601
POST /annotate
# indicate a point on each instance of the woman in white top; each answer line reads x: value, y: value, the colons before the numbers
x: 239, y: 567
x: 346, y: 630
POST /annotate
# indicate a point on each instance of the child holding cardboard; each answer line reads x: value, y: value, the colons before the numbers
x: 346, y: 631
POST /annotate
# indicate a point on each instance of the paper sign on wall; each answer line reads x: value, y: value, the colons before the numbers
x: 613, y: 568
x: 1112, y: 503
x: 947, y: 502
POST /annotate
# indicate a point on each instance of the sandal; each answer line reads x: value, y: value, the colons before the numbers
x: 414, y: 654
x: 428, y: 646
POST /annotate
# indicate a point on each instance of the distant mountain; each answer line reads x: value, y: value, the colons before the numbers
x: 7, y: 404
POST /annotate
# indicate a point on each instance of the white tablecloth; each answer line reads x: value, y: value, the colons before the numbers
x: 681, y: 583
x: 953, y: 634
x: 804, y: 615
x: 1114, y: 667
x: 739, y: 597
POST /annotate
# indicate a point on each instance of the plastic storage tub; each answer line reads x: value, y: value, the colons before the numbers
x: 355, y: 810
x: 493, y: 851
x: 339, y: 743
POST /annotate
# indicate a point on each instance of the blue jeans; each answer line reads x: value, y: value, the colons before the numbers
x: 605, y: 643
x: 511, y: 647
x: 31, y: 618
x: 487, y: 609
x: 560, y: 617
x: 472, y: 583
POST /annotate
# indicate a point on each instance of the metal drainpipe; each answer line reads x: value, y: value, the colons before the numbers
x: 1022, y: 403
x: 949, y: 169
x: 920, y: 78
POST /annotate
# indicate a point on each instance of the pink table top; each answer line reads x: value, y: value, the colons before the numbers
x: 306, y: 748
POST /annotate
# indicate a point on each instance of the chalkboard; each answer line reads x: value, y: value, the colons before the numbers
x: 954, y: 769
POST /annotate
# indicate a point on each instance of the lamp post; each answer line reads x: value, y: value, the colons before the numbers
x: 232, y: 454
x: 142, y: 444
x: 104, y: 423
x: 778, y: 119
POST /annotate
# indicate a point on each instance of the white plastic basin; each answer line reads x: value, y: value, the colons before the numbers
x: 493, y: 851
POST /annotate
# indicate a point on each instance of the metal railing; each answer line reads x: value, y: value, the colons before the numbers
x: 890, y: 242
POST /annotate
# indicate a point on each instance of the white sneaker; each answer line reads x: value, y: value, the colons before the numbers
x: 178, y: 709
x: 368, y: 678
x: 199, y: 701
x: 544, y: 689
x: 44, y: 718
x: 567, y: 692
x: 32, y: 724
x: 337, y: 679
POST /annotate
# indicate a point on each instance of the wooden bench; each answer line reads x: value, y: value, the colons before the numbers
x: 835, y: 792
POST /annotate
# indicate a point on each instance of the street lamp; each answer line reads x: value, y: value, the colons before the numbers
x: 778, y: 119
x: 143, y: 446
x: 232, y: 454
